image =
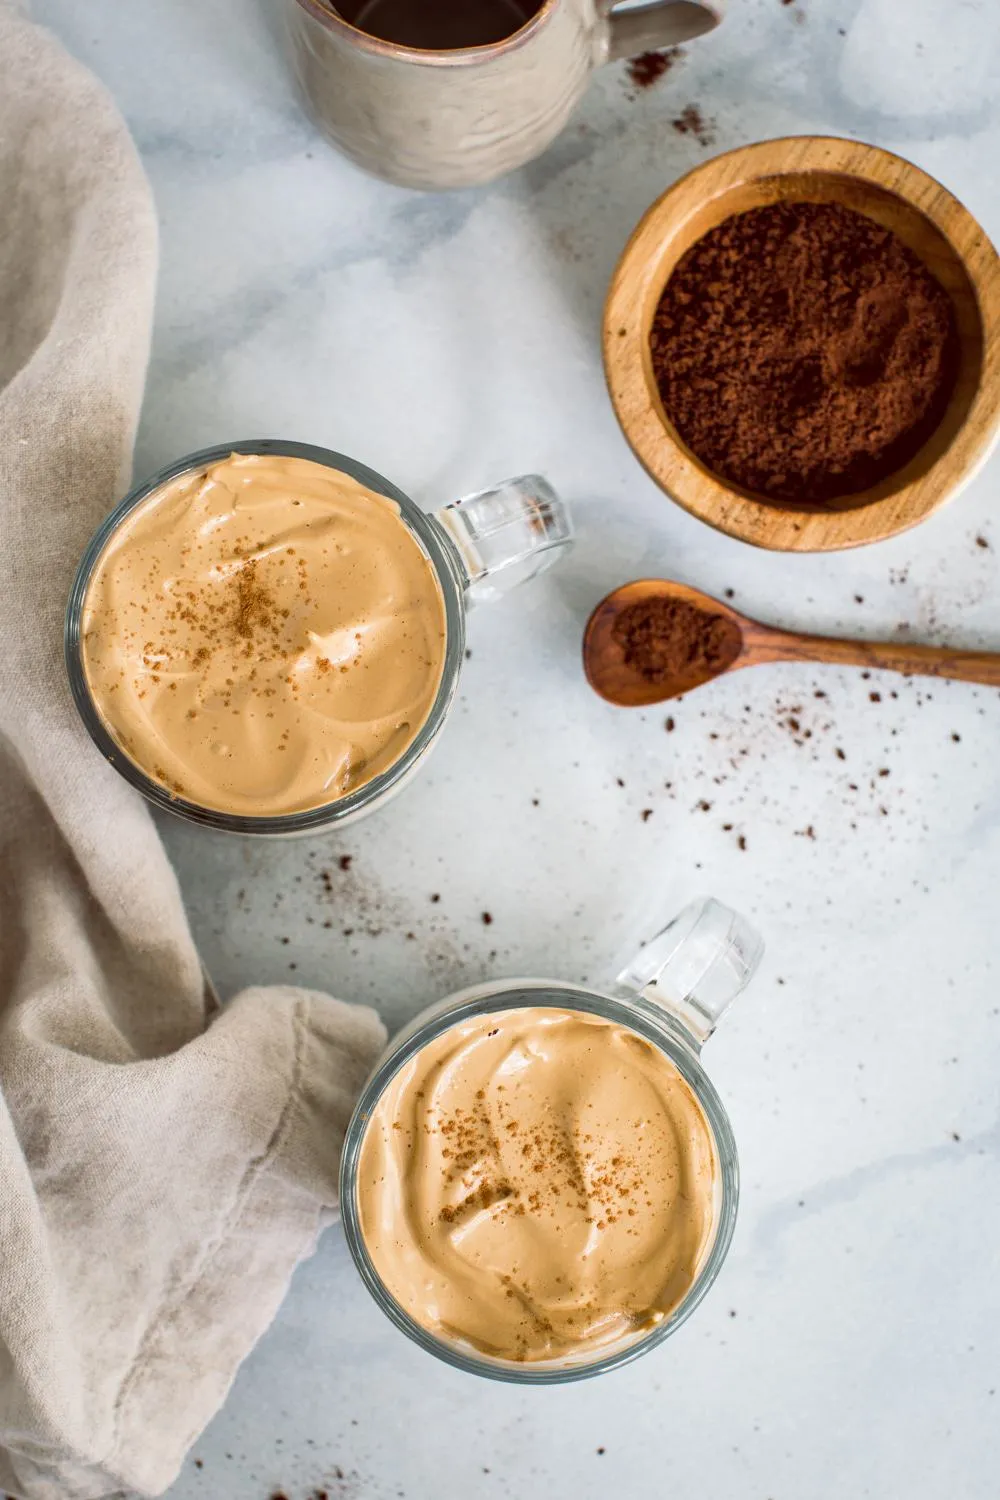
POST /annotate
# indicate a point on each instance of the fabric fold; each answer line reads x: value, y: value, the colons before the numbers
x: 163, y: 1167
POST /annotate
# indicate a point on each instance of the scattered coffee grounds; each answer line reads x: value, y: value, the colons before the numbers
x: 691, y: 121
x: 667, y: 640
x: 803, y: 352
x: 649, y: 67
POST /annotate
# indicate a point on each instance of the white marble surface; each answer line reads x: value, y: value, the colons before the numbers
x: 852, y: 1345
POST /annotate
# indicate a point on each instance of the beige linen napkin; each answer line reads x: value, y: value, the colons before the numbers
x: 160, y: 1177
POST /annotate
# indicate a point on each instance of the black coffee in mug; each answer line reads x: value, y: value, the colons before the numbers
x: 439, y: 25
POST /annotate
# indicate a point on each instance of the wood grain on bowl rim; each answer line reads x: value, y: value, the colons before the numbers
x: 928, y: 218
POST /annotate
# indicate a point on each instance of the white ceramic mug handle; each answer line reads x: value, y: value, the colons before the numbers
x: 663, y: 23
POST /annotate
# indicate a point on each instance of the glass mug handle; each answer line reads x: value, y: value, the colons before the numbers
x: 507, y: 534
x: 660, y: 24
x: 696, y: 966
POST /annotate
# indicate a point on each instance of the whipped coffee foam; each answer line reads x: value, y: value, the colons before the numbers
x: 264, y: 635
x: 538, y: 1184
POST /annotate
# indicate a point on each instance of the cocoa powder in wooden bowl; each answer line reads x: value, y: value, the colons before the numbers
x: 802, y: 344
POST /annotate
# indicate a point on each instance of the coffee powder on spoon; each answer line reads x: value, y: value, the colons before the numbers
x: 671, y: 642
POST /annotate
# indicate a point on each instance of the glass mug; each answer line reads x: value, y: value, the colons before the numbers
x: 672, y: 994
x: 479, y: 548
x: 455, y: 117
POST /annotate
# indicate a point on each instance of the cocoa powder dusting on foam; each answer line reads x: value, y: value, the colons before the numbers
x: 254, y: 605
x: 803, y: 351
x: 668, y: 640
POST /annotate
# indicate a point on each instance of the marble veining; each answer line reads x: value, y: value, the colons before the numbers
x: 851, y: 1346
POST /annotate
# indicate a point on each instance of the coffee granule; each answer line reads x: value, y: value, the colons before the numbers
x: 691, y: 121
x: 648, y: 67
x: 803, y: 352
x: 669, y: 640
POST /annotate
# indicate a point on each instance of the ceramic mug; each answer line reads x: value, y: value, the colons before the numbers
x: 672, y: 994
x: 448, y: 119
x: 479, y: 548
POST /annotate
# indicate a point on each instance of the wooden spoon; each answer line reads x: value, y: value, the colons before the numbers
x: 736, y: 641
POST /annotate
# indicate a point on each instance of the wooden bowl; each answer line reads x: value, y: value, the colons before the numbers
x: 894, y: 193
